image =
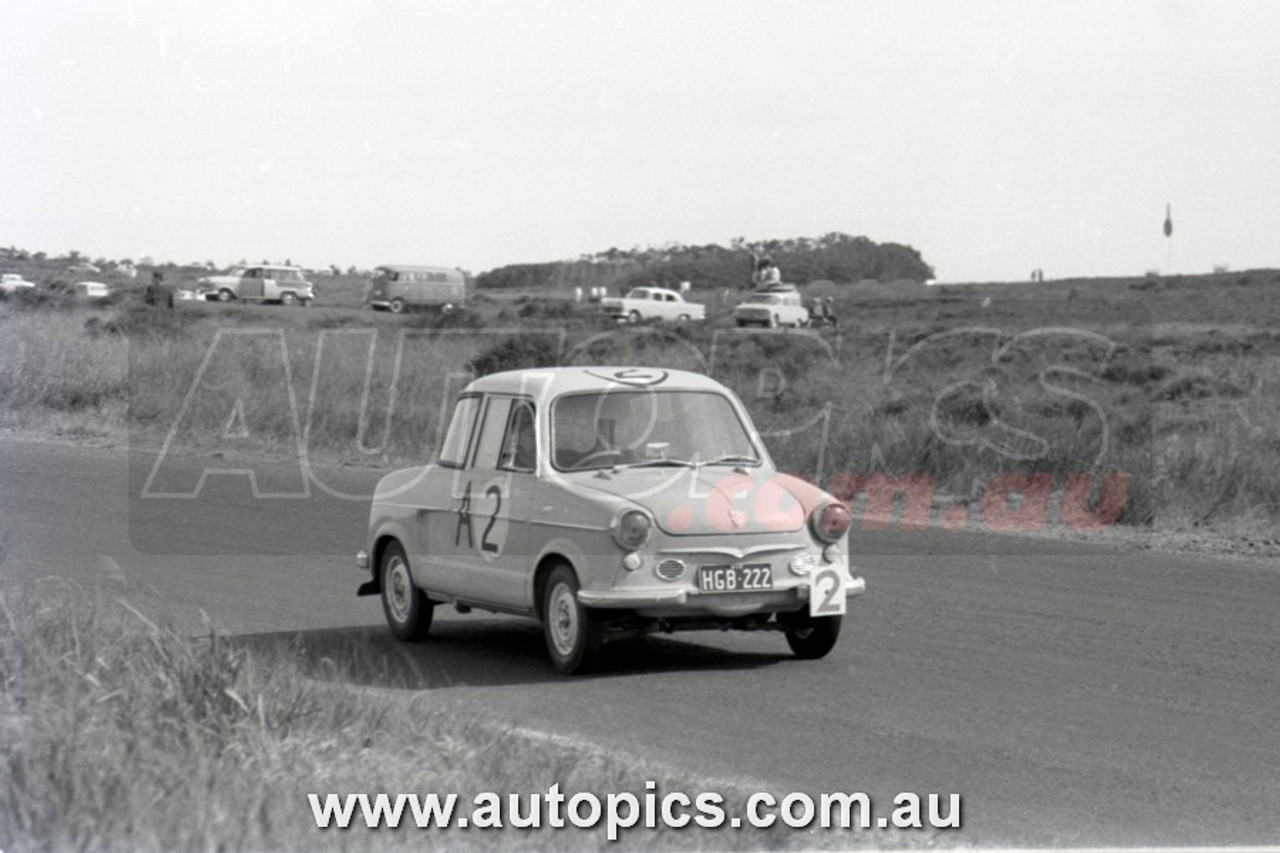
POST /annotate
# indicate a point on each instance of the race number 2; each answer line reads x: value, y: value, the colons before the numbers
x: 826, y: 592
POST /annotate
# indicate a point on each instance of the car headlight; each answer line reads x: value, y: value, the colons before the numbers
x: 632, y: 530
x: 831, y: 521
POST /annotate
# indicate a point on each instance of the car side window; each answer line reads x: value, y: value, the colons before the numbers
x: 453, y: 451
x: 520, y: 445
x: 492, y: 429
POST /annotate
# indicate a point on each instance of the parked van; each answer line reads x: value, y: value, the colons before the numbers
x: 401, y: 287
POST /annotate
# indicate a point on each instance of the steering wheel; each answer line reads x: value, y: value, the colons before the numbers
x: 598, y: 455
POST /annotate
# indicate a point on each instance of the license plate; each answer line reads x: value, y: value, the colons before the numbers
x: 746, y: 577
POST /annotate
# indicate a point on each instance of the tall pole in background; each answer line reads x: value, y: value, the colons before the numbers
x: 1168, y: 234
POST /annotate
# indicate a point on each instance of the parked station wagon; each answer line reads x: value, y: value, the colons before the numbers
x: 259, y: 283
x: 608, y: 502
x: 779, y: 305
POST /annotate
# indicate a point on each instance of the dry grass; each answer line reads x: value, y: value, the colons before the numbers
x: 1186, y: 405
x: 118, y: 731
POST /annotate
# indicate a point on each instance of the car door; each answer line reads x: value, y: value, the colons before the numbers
x: 481, y: 546
x: 444, y: 541
x: 672, y: 308
x: 271, y: 280
x: 251, y: 284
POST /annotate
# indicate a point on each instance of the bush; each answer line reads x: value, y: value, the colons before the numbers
x: 518, y: 353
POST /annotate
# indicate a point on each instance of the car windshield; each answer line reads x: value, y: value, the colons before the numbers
x: 617, y: 428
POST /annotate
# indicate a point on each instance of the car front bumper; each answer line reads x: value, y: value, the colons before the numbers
x: 646, y: 598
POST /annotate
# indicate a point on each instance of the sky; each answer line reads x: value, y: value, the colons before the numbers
x: 994, y: 136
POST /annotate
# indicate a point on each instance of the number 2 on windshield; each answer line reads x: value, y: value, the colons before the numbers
x: 826, y: 593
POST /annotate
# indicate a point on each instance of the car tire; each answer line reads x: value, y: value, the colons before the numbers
x: 812, y: 637
x: 407, y: 608
x: 572, y: 631
x: 225, y: 295
x: 683, y: 318
x: 288, y: 300
x: 396, y: 306
x: 633, y: 317
x: 774, y: 322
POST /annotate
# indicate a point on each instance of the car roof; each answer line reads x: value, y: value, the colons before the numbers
x: 415, y: 268
x: 546, y: 382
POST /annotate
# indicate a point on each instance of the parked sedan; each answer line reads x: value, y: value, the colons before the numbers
x: 11, y: 283
x: 653, y: 303
x: 607, y: 502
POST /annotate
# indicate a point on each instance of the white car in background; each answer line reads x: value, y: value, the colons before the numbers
x: 779, y: 305
x: 92, y: 290
x: 653, y: 303
x: 11, y: 283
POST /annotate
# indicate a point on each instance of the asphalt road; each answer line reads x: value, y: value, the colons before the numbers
x: 1071, y: 695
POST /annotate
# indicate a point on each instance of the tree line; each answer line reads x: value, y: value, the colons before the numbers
x: 836, y: 257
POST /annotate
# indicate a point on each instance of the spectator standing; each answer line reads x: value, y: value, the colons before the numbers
x: 767, y: 273
x: 157, y: 292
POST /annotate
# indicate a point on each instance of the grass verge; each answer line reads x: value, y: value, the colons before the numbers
x: 122, y: 732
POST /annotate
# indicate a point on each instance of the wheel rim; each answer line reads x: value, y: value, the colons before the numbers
x: 287, y: 299
x: 399, y: 589
x: 562, y: 618
x: 396, y: 306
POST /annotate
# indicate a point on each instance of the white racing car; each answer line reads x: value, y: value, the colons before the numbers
x: 606, y: 502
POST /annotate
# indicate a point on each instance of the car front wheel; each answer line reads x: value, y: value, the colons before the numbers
x: 572, y: 631
x: 397, y: 306
x: 812, y: 637
x: 407, y: 608
x: 225, y: 295
x: 288, y: 299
